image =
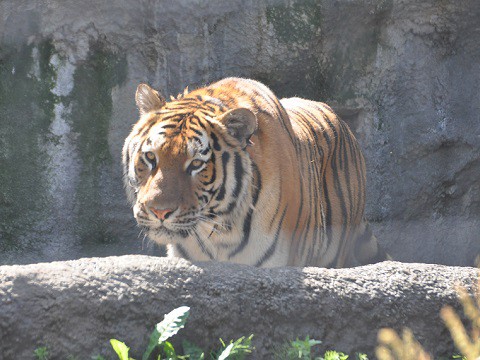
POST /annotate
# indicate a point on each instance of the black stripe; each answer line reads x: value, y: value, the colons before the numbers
x: 182, y: 252
x: 216, y: 145
x: 172, y: 117
x: 226, y: 141
x: 307, y: 128
x: 297, y: 224
x: 320, y: 124
x: 314, y: 154
x: 194, y: 119
x: 346, y: 172
x: 145, y: 132
x: 201, y: 124
x: 198, y: 132
x: 238, y: 186
x: 338, y: 190
x: 214, y: 172
x: 271, y: 250
x: 277, y: 209
x: 238, y: 175
x: 183, y: 104
x: 221, y: 192
x: 209, y: 108
x: 361, y: 182
x: 328, y: 211
x: 306, y: 229
x: 143, y: 161
x: 229, y: 209
x: 203, y: 247
x: 341, y: 148
x: 255, y: 106
x: 126, y: 163
x: 257, y: 187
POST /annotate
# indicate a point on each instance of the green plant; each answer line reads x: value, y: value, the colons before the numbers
x: 333, y: 355
x: 171, y: 324
x: 299, y: 349
x: 302, y: 350
x: 41, y: 353
x: 192, y: 351
x: 168, y: 327
x: 236, y: 350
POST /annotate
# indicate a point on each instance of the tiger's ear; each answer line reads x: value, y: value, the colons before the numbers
x: 148, y: 99
x: 241, y: 123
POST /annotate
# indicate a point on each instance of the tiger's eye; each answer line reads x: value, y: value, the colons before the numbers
x: 150, y: 155
x: 196, y: 163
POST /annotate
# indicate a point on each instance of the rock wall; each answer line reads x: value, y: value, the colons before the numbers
x: 403, y: 74
x: 75, y: 307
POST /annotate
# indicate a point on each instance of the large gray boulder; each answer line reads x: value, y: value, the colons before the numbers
x: 404, y: 74
x: 75, y: 307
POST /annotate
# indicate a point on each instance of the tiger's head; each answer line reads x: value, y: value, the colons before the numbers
x: 186, y: 164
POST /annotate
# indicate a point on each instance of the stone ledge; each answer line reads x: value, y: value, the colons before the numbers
x: 75, y: 307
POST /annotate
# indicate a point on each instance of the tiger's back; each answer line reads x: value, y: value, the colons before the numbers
x: 289, y: 191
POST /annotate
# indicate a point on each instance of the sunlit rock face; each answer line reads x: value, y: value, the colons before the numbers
x: 404, y: 76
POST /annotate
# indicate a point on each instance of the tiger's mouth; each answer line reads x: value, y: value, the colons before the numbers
x: 165, y: 232
x: 178, y: 225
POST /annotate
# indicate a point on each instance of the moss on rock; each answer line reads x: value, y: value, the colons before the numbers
x: 91, y: 110
x: 26, y: 112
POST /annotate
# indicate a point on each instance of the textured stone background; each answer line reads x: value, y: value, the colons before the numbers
x: 404, y: 74
x: 77, y: 306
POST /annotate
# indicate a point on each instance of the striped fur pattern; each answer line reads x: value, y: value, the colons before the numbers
x: 230, y: 173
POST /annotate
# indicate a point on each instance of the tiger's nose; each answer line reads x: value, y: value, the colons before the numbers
x: 162, y: 214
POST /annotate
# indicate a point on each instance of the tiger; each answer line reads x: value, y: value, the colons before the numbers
x: 230, y: 173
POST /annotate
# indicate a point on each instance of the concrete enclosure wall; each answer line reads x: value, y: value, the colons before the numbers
x: 404, y: 74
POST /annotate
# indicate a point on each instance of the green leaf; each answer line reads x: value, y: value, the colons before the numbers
x: 152, y: 344
x: 226, y: 353
x: 192, y: 351
x: 361, y: 356
x: 169, y: 351
x: 333, y: 355
x: 41, y: 353
x: 236, y: 349
x: 301, y: 349
x: 120, y: 348
x: 171, y: 324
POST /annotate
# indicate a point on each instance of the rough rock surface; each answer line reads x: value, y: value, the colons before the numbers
x: 403, y: 73
x: 77, y: 306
